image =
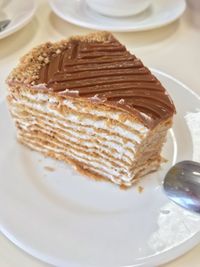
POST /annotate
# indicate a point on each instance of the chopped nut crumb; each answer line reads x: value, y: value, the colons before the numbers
x: 123, y: 187
x: 58, y: 51
x: 46, y: 60
x: 50, y: 169
x: 121, y: 101
x: 40, y: 58
x: 140, y: 189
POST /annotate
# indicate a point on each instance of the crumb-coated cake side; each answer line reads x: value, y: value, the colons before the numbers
x: 90, y: 102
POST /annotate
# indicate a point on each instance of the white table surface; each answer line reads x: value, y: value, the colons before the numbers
x: 174, y: 49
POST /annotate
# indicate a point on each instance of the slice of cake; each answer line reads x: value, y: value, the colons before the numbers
x: 90, y: 102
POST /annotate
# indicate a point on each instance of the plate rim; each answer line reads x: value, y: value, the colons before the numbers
x: 20, y: 24
x: 88, y: 25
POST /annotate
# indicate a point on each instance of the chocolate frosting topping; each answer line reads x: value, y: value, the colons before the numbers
x: 107, y: 72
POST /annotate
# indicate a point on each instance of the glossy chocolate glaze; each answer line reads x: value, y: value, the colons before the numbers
x: 106, y: 72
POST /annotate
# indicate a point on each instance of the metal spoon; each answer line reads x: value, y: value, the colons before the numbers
x: 182, y: 185
x: 4, y: 24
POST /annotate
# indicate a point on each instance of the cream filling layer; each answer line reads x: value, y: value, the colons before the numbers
x: 125, y: 151
x: 99, y: 124
x: 93, y: 166
x: 88, y: 129
x: 99, y: 163
x: 90, y: 147
x: 46, y: 149
x: 109, y: 114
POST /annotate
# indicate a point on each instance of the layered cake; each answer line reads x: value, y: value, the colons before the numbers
x: 90, y: 102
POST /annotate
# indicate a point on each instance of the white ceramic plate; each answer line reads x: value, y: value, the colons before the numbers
x: 19, y: 11
x: 66, y: 219
x: 161, y: 12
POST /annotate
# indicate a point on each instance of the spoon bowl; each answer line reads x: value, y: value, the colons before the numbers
x: 182, y: 185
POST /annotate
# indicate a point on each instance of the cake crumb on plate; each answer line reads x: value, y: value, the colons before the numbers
x: 50, y: 169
